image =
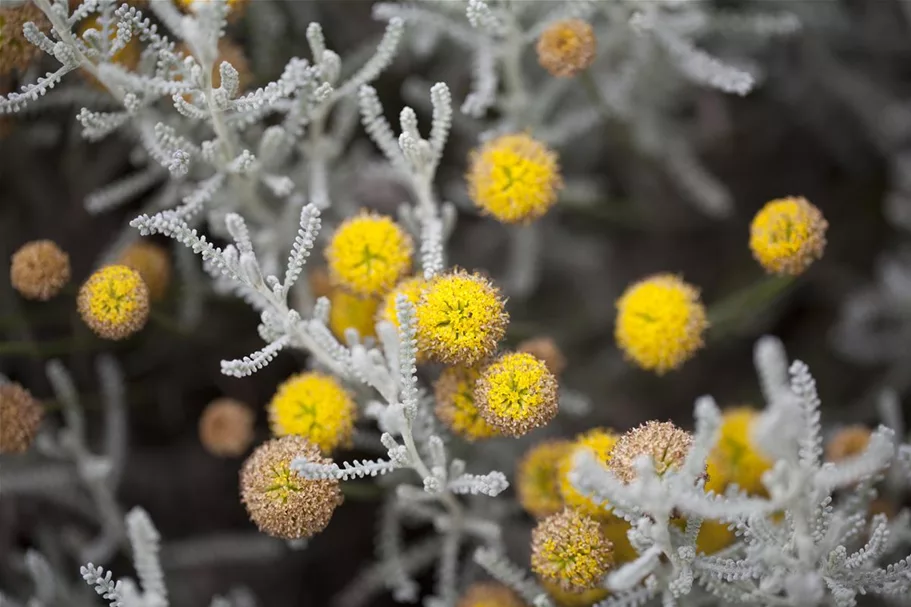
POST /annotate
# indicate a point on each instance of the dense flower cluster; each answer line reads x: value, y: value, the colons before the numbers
x: 114, y: 302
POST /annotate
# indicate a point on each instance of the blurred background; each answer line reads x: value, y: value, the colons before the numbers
x: 830, y: 120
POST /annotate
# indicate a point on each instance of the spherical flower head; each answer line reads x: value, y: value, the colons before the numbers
x: 455, y: 404
x: 514, y: 178
x: 282, y: 503
x: 538, y: 480
x: 226, y: 427
x: 369, y: 254
x: 315, y: 406
x: 847, y: 443
x: 665, y: 443
x: 17, y: 53
x: 516, y: 394
x: 567, y: 47
x: 569, y: 549
x: 20, y: 417
x: 153, y: 264
x: 713, y: 537
x: 547, y: 350
x: 616, y: 530
x: 600, y: 442
x: 565, y: 598
x: 460, y: 318
x: 735, y: 458
x: 489, y: 594
x: 114, y: 302
x: 39, y: 270
x: 660, y: 322
x: 352, y: 312
x: 410, y: 288
x: 787, y: 235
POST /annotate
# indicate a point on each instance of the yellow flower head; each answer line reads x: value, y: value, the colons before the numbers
x: 565, y: 598
x: 713, y: 537
x: 410, y: 288
x: 847, y: 443
x: 351, y: 311
x: 600, y: 441
x: 39, y: 270
x: 514, y: 178
x: 787, y: 235
x: 489, y: 594
x: 454, y: 391
x: 114, y: 302
x: 567, y: 47
x: 537, y: 478
x: 460, y: 318
x: 315, y: 406
x: 368, y: 254
x: 280, y: 501
x: 570, y: 550
x: 735, y: 457
x: 665, y: 443
x: 615, y: 529
x: 152, y: 262
x: 516, y: 394
x: 660, y: 322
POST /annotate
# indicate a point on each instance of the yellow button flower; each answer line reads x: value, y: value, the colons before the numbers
x: 410, y: 288
x: 538, y: 480
x: 153, y: 264
x: 514, y: 178
x: 565, y: 598
x: 570, y: 550
x: 114, y: 302
x: 460, y: 318
x: 735, y: 457
x: 600, y: 442
x: 454, y: 391
x: 368, y: 254
x: 660, y: 322
x: 516, y: 394
x: 567, y: 47
x: 489, y: 594
x: 787, y: 235
x: 616, y: 530
x: 713, y: 537
x: 315, y: 406
x: 665, y: 443
x: 278, y: 500
x: 351, y: 311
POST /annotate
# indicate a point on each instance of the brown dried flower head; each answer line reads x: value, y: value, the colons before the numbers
x: 226, y: 427
x: 39, y: 270
x: 667, y: 445
x: 17, y: 53
x: 20, y: 416
x: 567, y: 47
x: 547, y: 351
x: 847, y: 443
x: 153, y: 264
x: 489, y: 594
x: 570, y: 549
x: 281, y: 502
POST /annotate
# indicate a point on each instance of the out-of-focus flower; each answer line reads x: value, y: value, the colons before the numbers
x: 20, y: 417
x: 847, y: 443
x: 546, y: 350
x: 39, y: 270
x: 226, y: 427
x: 489, y: 594
x: 567, y: 47
x: 352, y: 312
x: 455, y: 403
x: 369, y: 254
x: 538, y: 479
x: 153, y: 264
x: 787, y: 235
x: 17, y: 53
x: 600, y: 442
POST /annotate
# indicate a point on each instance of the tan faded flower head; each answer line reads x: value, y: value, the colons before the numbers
x: 570, y: 550
x: 546, y: 350
x: 152, y: 262
x: 282, y: 503
x: 489, y: 594
x: 567, y: 47
x: 847, y: 443
x: 17, y: 53
x: 39, y: 270
x: 665, y: 443
x: 226, y: 427
x: 20, y: 417
x: 516, y: 394
x: 455, y: 403
x: 537, y: 478
x: 114, y: 302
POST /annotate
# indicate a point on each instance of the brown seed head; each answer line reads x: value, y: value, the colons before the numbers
x: 281, y: 502
x: 847, y: 443
x: 226, y: 427
x: 547, y: 350
x: 489, y: 594
x: 17, y: 53
x: 667, y: 445
x: 20, y: 416
x: 153, y: 264
x: 39, y: 270
x: 567, y: 47
x: 570, y: 549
